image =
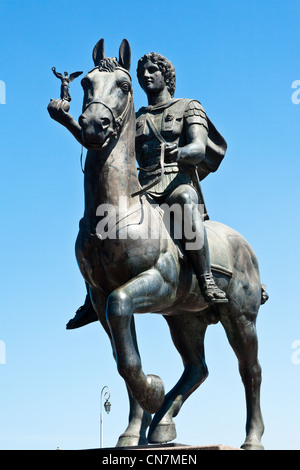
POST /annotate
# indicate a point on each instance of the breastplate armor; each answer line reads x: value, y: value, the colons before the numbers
x: 169, y: 121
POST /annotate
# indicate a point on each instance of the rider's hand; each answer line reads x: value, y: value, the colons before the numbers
x: 171, y: 153
x: 58, y: 110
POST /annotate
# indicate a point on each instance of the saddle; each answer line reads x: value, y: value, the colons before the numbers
x: 218, y: 252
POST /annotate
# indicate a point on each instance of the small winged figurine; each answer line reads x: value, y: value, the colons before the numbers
x: 65, y: 83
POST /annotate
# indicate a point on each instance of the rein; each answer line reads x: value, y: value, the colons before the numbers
x: 118, y: 121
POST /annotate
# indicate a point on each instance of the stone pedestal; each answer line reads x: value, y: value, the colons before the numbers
x: 173, y: 447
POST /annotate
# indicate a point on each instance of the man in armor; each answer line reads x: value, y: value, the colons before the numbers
x: 179, y: 131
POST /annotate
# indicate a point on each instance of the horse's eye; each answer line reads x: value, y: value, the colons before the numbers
x: 125, y: 86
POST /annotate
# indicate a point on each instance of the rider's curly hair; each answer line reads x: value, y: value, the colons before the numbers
x: 165, y: 66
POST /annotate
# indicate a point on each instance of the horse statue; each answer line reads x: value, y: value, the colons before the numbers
x: 134, y: 273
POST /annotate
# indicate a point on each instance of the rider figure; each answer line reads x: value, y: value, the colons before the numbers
x: 184, y: 129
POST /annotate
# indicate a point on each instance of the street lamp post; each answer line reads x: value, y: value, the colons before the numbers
x: 107, y: 406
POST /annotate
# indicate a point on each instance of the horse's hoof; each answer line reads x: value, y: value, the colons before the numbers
x: 163, y: 432
x: 154, y: 394
x: 126, y: 440
x: 248, y: 445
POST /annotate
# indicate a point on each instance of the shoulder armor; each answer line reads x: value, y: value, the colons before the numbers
x: 194, y: 108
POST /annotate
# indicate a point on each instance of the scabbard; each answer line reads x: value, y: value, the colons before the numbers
x: 197, y: 185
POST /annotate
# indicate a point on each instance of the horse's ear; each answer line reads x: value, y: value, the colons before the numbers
x: 98, y: 52
x: 125, y: 55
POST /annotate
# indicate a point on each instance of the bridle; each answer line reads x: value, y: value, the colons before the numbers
x: 118, y: 121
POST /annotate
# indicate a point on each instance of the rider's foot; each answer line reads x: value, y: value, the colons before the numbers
x: 84, y: 315
x: 209, y: 290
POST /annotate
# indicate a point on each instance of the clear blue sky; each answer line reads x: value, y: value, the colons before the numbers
x: 239, y: 58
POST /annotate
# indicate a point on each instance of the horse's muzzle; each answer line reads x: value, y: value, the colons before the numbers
x: 96, y: 129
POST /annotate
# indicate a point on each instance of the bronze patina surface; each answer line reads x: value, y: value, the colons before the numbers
x: 133, y: 262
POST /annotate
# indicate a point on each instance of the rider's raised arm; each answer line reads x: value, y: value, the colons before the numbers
x: 58, y: 110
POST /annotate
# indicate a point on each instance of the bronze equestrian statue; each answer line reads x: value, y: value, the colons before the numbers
x: 141, y: 267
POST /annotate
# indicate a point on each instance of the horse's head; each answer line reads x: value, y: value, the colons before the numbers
x: 107, y: 96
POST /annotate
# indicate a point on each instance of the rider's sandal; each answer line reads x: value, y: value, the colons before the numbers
x: 210, y: 291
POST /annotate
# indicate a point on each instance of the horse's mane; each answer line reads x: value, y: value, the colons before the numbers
x: 108, y: 64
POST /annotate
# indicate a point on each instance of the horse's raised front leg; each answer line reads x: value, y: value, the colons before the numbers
x: 187, y: 333
x: 139, y: 421
x: 241, y: 332
x: 144, y: 292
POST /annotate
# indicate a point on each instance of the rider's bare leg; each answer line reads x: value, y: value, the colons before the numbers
x: 194, y: 240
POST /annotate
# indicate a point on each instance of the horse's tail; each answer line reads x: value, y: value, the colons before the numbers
x: 264, y: 295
